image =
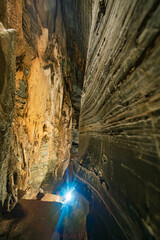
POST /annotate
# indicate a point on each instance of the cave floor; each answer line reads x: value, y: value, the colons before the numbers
x: 35, y: 219
x: 49, y: 219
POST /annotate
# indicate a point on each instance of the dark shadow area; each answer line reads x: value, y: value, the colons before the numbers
x: 82, y: 218
x: 2, y: 70
x: 100, y: 223
x: 17, y: 213
x: 32, y: 219
x: 96, y: 228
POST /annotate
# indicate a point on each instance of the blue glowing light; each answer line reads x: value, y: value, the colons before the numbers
x: 68, y: 197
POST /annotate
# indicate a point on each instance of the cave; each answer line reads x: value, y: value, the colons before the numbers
x: 79, y: 120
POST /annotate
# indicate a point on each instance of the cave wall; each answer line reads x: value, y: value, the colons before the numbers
x: 119, y: 151
x: 77, y: 16
x: 7, y: 101
x: 50, y: 50
x: 38, y: 128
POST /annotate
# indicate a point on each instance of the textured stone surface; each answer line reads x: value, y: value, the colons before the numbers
x: 7, y: 91
x: 119, y: 156
x: 77, y: 17
x: 41, y: 129
x: 50, y: 63
x: 33, y: 219
x: 119, y: 119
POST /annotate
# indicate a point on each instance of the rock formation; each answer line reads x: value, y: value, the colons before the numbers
x: 7, y: 100
x: 119, y: 152
x: 50, y: 61
x: 48, y: 49
x: 40, y: 132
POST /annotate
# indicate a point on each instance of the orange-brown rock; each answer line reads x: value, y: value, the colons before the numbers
x: 42, y: 120
x: 114, y: 47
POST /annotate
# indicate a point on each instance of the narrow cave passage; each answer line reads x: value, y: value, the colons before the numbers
x: 80, y: 115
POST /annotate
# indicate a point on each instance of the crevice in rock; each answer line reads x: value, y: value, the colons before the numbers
x: 79, y: 105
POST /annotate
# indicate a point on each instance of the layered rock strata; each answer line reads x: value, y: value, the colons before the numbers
x: 118, y: 163
x: 119, y: 153
x: 77, y: 16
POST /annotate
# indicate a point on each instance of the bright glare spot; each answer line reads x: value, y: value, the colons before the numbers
x: 68, y: 197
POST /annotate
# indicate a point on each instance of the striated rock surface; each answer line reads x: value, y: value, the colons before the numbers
x: 77, y: 17
x: 119, y: 153
x: 114, y: 47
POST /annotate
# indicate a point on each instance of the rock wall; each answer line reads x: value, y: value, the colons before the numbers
x: 119, y: 152
x: 41, y: 130
x: 77, y: 17
x: 7, y: 101
x: 51, y: 47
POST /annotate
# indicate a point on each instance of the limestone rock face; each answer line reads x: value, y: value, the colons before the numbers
x: 7, y: 100
x: 119, y: 153
x: 50, y: 64
x: 40, y: 136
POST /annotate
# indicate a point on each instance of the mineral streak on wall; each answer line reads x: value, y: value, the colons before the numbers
x: 120, y: 113
x: 40, y: 92
x: 38, y: 129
